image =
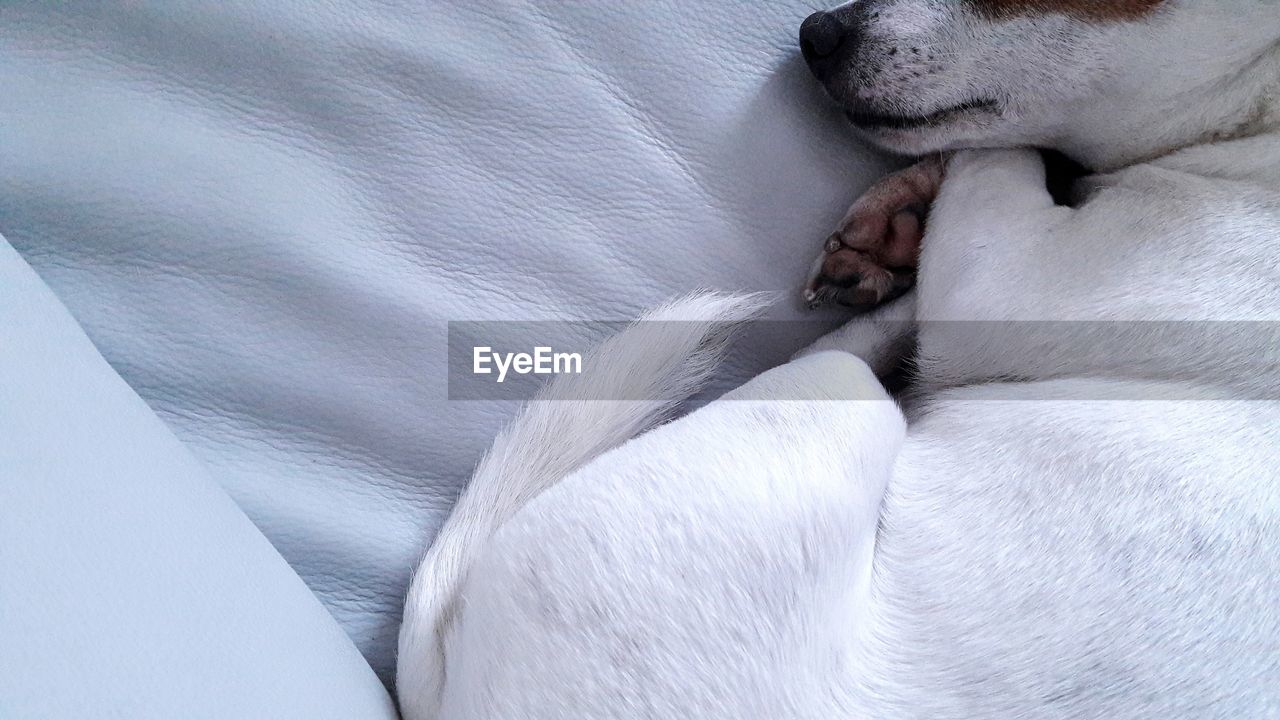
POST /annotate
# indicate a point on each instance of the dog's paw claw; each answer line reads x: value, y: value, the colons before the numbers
x: 812, y: 300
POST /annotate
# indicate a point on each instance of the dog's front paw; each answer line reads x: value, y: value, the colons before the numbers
x: 872, y: 258
x: 855, y: 273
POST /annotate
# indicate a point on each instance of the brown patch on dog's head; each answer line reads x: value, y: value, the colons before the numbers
x: 1095, y: 10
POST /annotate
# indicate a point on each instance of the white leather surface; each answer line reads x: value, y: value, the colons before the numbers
x: 264, y: 212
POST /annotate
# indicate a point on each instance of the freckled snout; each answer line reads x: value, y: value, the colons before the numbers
x: 827, y: 40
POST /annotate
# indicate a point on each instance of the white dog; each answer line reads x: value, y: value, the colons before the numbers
x: 1069, y: 521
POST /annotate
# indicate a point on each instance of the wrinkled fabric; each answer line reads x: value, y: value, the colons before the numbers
x: 265, y: 213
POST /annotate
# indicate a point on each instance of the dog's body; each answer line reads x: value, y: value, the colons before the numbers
x: 1070, y: 526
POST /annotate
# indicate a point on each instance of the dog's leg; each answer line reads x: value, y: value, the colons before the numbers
x: 883, y: 338
x: 990, y: 222
x: 684, y: 573
x: 872, y: 257
x: 993, y: 191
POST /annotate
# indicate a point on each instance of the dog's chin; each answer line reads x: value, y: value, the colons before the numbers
x: 946, y: 128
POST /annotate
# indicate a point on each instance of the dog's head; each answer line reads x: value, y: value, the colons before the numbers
x: 923, y: 75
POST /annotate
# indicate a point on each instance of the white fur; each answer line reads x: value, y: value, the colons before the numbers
x: 1064, y: 545
x: 1107, y: 93
x: 627, y: 388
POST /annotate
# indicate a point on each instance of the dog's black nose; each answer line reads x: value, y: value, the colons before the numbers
x: 822, y: 35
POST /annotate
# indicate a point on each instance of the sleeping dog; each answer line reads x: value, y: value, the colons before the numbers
x: 1077, y: 515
